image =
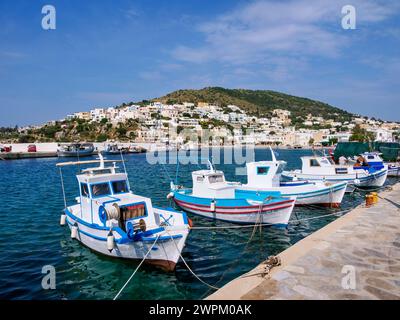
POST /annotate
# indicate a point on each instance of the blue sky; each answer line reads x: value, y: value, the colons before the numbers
x: 103, y: 53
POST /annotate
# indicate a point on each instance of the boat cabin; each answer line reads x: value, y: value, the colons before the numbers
x: 264, y: 174
x: 320, y: 165
x: 211, y: 184
x: 103, y: 190
x: 373, y: 159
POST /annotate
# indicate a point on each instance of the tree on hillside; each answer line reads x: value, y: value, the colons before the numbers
x: 361, y: 134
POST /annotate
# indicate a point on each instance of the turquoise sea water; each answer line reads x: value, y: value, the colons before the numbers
x: 30, y: 236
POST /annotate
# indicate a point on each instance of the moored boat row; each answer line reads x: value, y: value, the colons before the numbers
x: 108, y: 218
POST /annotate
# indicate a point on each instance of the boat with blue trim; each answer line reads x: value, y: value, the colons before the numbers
x: 323, y: 168
x: 374, y: 159
x: 113, y: 149
x: 213, y: 197
x: 109, y: 219
x: 265, y: 176
x: 393, y: 169
x: 75, y: 150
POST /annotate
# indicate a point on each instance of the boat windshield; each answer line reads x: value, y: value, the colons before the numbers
x: 325, y: 161
x: 101, y: 189
x: 216, y: 178
x: 119, y: 186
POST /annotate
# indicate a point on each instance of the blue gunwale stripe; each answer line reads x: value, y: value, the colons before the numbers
x: 372, y: 176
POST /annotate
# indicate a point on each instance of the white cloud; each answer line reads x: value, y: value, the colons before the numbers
x: 262, y: 29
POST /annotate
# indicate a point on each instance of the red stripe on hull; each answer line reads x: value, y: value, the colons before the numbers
x: 184, y: 204
x: 244, y: 207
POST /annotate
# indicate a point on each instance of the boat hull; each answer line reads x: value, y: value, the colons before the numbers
x: 75, y: 154
x: 165, y: 253
x: 277, y: 213
x: 308, y: 194
x: 376, y: 179
x: 394, y: 171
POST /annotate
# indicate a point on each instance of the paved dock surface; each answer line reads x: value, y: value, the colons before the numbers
x: 26, y: 155
x: 357, y: 256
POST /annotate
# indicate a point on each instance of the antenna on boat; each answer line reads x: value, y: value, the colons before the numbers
x: 101, y: 158
x: 272, y: 154
x: 123, y: 163
x: 210, y: 165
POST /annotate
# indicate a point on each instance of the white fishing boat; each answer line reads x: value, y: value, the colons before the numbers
x: 266, y: 176
x: 109, y: 219
x: 394, y: 169
x: 374, y: 159
x: 323, y: 168
x: 75, y: 149
x: 215, y: 198
x: 112, y: 149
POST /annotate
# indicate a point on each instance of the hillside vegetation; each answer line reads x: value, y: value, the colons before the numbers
x: 258, y: 102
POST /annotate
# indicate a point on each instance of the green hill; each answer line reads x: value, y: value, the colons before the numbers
x: 258, y: 102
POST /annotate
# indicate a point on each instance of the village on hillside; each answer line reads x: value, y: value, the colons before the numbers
x: 152, y: 122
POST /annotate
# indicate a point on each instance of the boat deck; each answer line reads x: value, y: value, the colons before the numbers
x: 364, y: 244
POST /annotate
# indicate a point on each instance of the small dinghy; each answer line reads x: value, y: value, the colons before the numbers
x: 265, y: 176
x: 215, y: 198
x: 111, y: 220
x: 323, y: 168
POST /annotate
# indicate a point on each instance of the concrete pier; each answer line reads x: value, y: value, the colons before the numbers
x: 26, y: 155
x: 357, y: 256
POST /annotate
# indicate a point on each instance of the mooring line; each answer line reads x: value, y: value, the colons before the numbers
x: 271, y: 224
x: 137, y: 268
x: 187, y: 266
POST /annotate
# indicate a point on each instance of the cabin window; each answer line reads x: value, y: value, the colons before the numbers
x: 262, y: 170
x: 216, y: 178
x: 314, y: 163
x: 341, y: 170
x: 101, y: 189
x: 84, y: 190
x: 120, y: 186
x: 370, y: 157
x: 200, y: 179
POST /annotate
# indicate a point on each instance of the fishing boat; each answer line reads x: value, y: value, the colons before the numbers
x: 213, y: 197
x: 374, y: 159
x: 109, y: 219
x: 114, y: 149
x: 394, y: 169
x: 265, y: 176
x: 136, y: 149
x: 75, y: 149
x: 323, y: 168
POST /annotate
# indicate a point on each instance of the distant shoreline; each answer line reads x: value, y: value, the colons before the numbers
x: 52, y: 146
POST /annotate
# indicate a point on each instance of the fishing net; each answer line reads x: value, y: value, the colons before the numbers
x: 389, y: 150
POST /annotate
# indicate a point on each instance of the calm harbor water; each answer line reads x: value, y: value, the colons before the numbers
x: 30, y: 236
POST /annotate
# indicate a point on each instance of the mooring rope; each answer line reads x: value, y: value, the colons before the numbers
x: 137, y: 268
x: 63, y: 189
x: 271, y: 224
x: 187, y: 266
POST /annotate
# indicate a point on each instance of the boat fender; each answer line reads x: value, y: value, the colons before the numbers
x: 212, y: 205
x: 356, y: 181
x: 110, y: 241
x: 295, y: 178
x: 63, y: 219
x: 74, y: 231
x: 170, y: 195
x: 190, y: 222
